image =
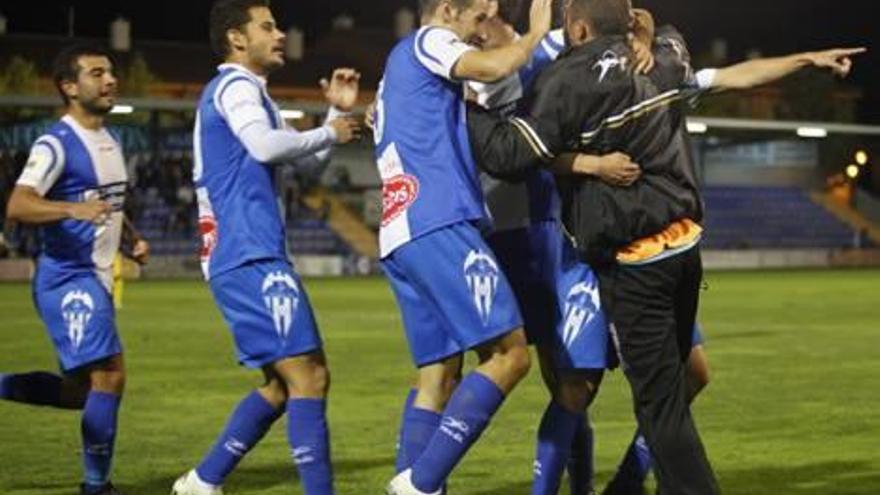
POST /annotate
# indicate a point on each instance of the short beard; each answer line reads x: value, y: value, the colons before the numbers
x: 94, y: 109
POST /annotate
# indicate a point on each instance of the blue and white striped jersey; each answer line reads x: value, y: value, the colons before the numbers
x: 74, y: 164
x: 422, y: 146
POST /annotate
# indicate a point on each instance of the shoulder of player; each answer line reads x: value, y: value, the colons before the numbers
x: 237, y: 80
x: 54, y: 138
x: 553, y: 43
x: 430, y: 38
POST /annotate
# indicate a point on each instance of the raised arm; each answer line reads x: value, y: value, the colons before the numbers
x: 766, y: 70
x: 241, y: 104
x: 492, y: 65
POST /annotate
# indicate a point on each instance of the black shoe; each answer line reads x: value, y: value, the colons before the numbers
x: 107, y: 489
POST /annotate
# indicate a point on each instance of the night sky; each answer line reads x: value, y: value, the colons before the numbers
x: 771, y: 26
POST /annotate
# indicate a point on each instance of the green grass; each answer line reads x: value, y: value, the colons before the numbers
x: 792, y: 408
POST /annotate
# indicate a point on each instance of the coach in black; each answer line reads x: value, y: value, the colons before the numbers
x: 643, y: 240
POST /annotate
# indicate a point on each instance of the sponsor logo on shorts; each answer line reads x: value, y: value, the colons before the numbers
x: 281, y: 295
x: 481, y: 272
x: 77, y: 307
x: 398, y: 193
x: 581, y: 305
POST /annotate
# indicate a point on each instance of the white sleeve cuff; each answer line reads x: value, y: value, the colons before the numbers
x: 706, y: 78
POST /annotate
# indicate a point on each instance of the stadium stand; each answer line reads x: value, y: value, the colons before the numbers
x: 770, y: 218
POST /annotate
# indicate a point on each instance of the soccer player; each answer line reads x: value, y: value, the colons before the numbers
x: 239, y: 137
x: 557, y: 294
x: 451, y: 292
x: 74, y: 187
x: 643, y: 240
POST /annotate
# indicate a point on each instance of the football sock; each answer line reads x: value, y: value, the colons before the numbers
x: 98, y: 436
x: 419, y: 428
x: 636, y: 464
x: 580, y: 464
x: 401, y: 462
x: 38, y: 388
x: 248, y: 424
x: 309, y: 440
x: 466, y: 416
x: 554, y: 448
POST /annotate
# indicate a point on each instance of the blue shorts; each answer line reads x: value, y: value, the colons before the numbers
x: 452, y: 294
x: 558, y: 295
x: 78, y: 312
x: 266, y: 307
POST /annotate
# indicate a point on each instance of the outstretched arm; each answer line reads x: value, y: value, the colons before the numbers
x: 766, y: 70
x: 495, y: 64
x: 241, y: 105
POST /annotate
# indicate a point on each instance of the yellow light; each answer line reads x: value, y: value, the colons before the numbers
x: 861, y: 157
x: 852, y: 171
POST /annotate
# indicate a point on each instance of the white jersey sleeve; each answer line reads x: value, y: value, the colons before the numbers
x: 705, y: 78
x: 240, y: 102
x: 44, y: 165
x: 439, y: 49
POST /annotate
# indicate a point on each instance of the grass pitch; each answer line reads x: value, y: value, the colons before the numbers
x: 792, y: 408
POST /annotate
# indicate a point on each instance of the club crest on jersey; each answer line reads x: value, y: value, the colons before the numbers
x: 77, y: 307
x: 281, y: 295
x: 609, y: 60
x: 581, y: 306
x: 481, y: 272
x: 398, y: 193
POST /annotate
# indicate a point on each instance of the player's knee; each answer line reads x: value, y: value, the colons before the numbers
x: 275, y: 392
x: 435, y: 390
x: 516, y: 362
x: 312, y: 382
x: 108, y: 381
x: 575, y: 391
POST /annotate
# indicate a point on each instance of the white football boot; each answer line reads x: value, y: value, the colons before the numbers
x: 402, y: 485
x: 191, y: 484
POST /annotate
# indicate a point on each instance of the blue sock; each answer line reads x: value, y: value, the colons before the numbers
x: 98, y: 435
x: 580, y: 464
x: 635, y: 465
x: 309, y: 440
x: 246, y: 427
x: 403, y: 460
x: 38, y: 388
x: 472, y: 405
x: 554, y: 448
x: 419, y: 428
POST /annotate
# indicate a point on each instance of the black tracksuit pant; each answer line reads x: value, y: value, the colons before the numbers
x: 653, y: 308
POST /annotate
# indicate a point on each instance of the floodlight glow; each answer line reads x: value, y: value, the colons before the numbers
x: 122, y: 109
x: 812, y: 132
x: 852, y: 171
x: 861, y: 157
x: 697, y: 128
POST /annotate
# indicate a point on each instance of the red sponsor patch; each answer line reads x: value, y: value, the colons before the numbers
x: 398, y: 193
x: 208, y: 230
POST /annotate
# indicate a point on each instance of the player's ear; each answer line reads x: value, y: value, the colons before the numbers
x: 70, y: 89
x: 237, y: 40
x: 447, y: 11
